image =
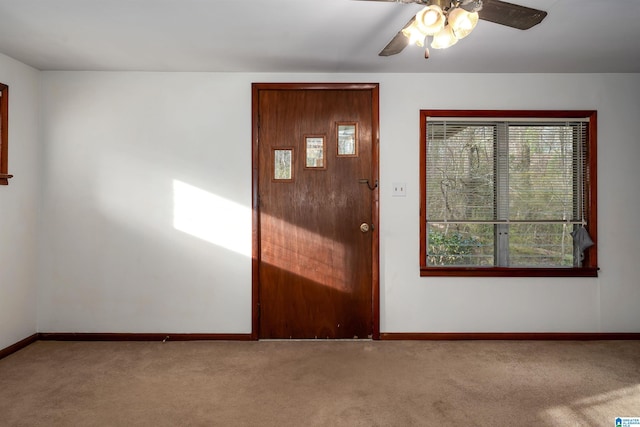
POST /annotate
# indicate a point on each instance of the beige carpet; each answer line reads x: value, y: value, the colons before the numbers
x: 316, y: 383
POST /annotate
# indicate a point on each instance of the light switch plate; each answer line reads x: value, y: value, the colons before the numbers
x: 399, y: 189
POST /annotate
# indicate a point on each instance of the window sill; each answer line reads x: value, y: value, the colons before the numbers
x: 4, y: 178
x: 508, y: 272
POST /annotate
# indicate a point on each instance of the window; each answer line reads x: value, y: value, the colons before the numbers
x: 503, y: 193
x: 4, y: 134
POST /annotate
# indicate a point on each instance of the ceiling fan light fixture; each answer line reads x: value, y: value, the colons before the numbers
x: 444, y: 39
x: 471, y: 5
x: 430, y: 20
x: 462, y: 22
x: 413, y: 33
x: 447, y: 21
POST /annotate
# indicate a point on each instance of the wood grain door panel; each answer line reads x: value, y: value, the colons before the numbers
x: 314, y: 263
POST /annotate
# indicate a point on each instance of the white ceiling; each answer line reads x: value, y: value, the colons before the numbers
x: 307, y: 36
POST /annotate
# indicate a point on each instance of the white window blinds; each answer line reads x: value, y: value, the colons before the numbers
x: 505, y: 171
x: 504, y: 192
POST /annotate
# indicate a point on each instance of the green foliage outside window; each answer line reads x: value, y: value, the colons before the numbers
x: 451, y: 248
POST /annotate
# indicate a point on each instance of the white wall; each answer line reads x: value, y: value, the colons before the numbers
x: 133, y: 159
x: 147, y: 195
x: 606, y: 304
x: 19, y: 205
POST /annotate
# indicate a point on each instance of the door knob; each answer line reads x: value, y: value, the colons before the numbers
x: 364, y: 227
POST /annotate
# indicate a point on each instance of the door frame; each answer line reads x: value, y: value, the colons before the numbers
x: 375, y: 203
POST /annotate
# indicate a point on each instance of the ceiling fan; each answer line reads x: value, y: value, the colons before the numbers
x: 447, y: 21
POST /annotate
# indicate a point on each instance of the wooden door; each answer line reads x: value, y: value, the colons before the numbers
x: 315, y: 211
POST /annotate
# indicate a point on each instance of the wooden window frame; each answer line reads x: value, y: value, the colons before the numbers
x: 4, y: 134
x: 355, y: 142
x: 589, y: 266
x: 293, y: 164
x: 324, y: 151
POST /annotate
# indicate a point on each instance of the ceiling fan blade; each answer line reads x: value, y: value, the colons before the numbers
x: 511, y: 15
x: 397, y: 43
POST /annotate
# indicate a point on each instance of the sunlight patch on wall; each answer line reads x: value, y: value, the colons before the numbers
x: 211, y: 218
x: 596, y: 410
